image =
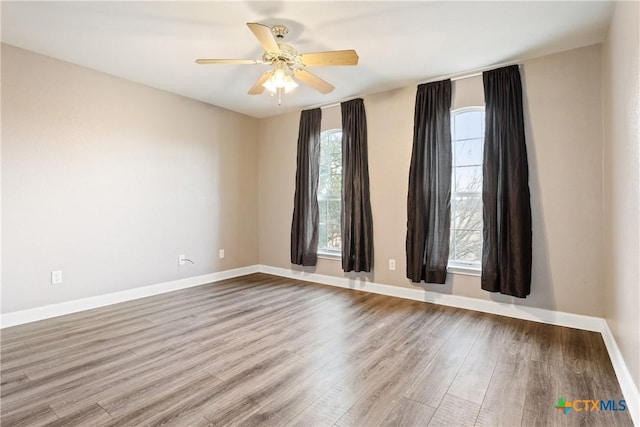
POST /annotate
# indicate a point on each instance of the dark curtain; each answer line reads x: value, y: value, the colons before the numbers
x: 357, y: 223
x: 429, y: 198
x: 506, y: 250
x: 304, y: 226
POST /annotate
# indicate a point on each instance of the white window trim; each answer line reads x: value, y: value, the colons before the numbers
x: 456, y: 267
x: 469, y: 108
x: 466, y: 270
x: 334, y: 256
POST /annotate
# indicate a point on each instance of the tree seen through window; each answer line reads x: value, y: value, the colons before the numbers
x: 329, y: 192
x: 467, y: 138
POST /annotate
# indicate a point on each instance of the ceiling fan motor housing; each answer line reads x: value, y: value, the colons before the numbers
x: 287, y: 55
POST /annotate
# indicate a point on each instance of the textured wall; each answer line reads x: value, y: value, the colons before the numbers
x: 109, y: 181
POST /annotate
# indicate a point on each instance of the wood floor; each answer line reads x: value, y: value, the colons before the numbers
x: 261, y: 350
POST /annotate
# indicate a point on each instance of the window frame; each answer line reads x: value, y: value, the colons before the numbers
x: 462, y: 267
x: 323, y: 252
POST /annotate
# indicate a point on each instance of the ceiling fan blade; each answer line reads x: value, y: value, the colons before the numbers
x: 257, y: 88
x: 265, y: 37
x: 228, y: 61
x: 336, y: 57
x: 314, y: 81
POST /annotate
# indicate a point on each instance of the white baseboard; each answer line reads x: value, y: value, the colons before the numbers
x: 511, y: 310
x: 627, y: 385
x: 68, y: 307
x: 558, y: 318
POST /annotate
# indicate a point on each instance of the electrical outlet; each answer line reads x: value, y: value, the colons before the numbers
x: 182, y: 259
x: 56, y: 277
x: 392, y: 264
x: 221, y: 253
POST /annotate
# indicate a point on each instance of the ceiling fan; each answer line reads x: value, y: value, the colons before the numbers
x: 286, y: 63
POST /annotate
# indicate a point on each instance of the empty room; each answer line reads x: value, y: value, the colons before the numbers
x: 320, y: 213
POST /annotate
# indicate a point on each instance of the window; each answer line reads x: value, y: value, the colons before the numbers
x: 467, y: 139
x: 330, y: 193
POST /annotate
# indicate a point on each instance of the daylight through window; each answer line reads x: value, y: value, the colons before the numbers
x: 329, y: 193
x: 467, y: 138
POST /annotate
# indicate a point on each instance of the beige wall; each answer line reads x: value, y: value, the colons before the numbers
x: 622, y: 183
x: 117, y: 179
x: 563, y: 124
x: 110, y: 180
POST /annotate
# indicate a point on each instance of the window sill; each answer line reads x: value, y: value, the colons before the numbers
x: 333, y: 257
x: 465, y: 270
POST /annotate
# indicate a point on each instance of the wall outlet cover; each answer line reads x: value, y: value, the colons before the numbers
x: 56, y: 277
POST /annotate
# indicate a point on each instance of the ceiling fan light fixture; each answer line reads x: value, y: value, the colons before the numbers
x: 289, y: 84
x: 280, y: 80
x: 270, y: 85
x: 286, y: 63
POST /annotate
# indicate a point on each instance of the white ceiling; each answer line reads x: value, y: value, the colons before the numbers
x: 399, y: 43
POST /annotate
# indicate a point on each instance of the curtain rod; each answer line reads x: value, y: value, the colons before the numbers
x: 333, y: 104
x: 473, y: 73
x: 460, y: 76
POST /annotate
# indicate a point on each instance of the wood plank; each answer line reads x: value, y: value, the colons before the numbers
x: 542, y: 393
x: 46, y: 389
x: 362, y: 376
x: 588, y: 375
x: 172, y: 404
x: 408, y: 413
x: 13, y: 381
x: 37, y: 415
x: 548, y: 344
x: 263, y: 419
x: 504, y: 402
x: 472, y: 380
x: 292, y: 398
x: 432, y: 384
x: 264, y: 350
x: 93, y: 415
x: 377, y: 401
x: 456, y: 412
x: 144, y: 389
x: 246, y: 392
x: 15, y: 350
x: 131, y: 377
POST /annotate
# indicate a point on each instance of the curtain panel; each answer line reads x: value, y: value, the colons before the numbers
x: 506, y: 251
x: 357, y: 222
x: 429, y: 196
x: 304, y: 226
